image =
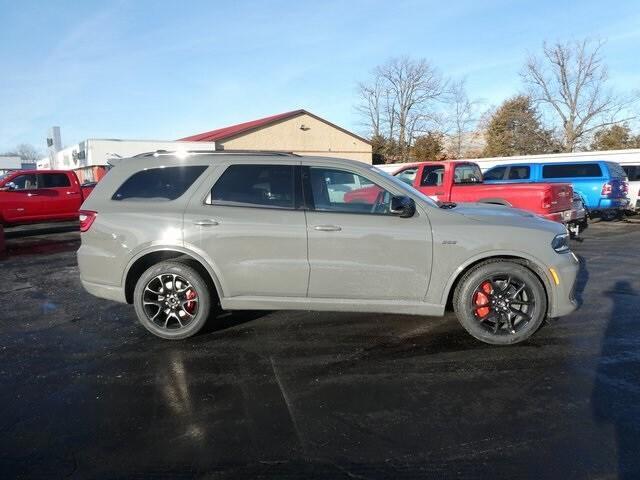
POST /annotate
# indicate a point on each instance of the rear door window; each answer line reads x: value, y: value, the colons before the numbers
x: 496, y: 173
x: 520, y: 172
x: 158, y: 184
x: 255, y: 186
x: 432, y: 176
x: 575, y: 170
x: 53, y: 180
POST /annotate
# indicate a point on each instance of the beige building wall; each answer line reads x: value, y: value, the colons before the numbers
x: 315, y: 138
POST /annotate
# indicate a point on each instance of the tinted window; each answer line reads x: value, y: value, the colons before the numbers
x: 158, y: 183
x: 408, y: 176
x: 467, y: 174
x: 260, y: 185
x: 574, y: 170
x: 25, y: 182
x: 53, y: 180
x: 432, y: 175
x: 496, y: 173
x: 633, y: 172
x: 519, y: 173
x: 330, y: 196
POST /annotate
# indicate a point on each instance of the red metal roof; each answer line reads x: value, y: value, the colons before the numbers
x: 227, y: 132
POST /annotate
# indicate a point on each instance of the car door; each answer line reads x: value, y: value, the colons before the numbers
x: 358, y: 249
x: 21, y: 202
x: 246, y: 220
x: 60, y: 199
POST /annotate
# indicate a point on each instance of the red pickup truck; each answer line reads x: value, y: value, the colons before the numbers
x: 453, y: 181
x: 35, y: 196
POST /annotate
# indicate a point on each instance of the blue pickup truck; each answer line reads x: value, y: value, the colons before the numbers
x: 602, y: 185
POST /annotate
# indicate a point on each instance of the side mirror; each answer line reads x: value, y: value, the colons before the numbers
x: 403, y: 206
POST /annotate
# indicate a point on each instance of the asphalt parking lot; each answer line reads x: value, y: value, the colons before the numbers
x: 87, y: 392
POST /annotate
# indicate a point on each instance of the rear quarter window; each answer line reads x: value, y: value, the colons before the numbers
x: 158, y: 184
x: 633, y: 172
x: 496, y: 173
x: 576, y: 170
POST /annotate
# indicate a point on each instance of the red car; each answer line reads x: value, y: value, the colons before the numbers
x: 35, y: 196
x: 453, y: 181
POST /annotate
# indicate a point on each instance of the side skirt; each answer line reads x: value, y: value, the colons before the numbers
x: 332, y: 305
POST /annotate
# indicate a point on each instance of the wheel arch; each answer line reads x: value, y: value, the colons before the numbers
x: 495, y: 201
x: 141, y: 262
x: 531, y: 264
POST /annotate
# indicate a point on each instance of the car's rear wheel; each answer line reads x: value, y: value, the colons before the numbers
x: 172, y: 300
x: 500, y: 302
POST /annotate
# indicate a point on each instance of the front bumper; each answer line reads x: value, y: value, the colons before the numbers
x: 563, y: 301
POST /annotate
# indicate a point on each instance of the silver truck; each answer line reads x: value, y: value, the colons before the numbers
x: 181, y: 235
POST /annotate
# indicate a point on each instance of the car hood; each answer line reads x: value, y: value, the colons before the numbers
x: 501, y: 215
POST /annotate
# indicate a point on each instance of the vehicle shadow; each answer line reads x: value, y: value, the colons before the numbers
x: 49, y: 229
x: 39, y: 246
x: 224, y: 320
x: 581, y: 280
x: 616, y: 392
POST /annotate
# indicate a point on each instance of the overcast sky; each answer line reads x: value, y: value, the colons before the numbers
x: 163, y: 70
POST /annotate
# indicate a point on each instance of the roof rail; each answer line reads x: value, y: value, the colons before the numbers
x: 207, y: 152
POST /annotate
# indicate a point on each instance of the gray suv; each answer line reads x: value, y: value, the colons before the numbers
x: 182, y: 235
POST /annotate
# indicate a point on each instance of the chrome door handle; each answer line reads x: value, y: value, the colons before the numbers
x: 73, y: 193
x: 206, y: 223
x: 32, y: 194
x: 327, y: 228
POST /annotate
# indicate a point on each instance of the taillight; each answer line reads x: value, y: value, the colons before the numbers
x: 625, y: 188
x: 547, y: 200
x: 607, y: 189
x: 87, y: 218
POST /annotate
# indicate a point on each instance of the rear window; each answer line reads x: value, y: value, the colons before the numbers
x: 258, y: 185
x: 496, y: 173
x: 159, y: 184
x: 633, y: 172
x: 467, y: 174
x: 575, y: 170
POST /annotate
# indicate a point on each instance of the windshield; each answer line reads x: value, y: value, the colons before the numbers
x: 404, y: 187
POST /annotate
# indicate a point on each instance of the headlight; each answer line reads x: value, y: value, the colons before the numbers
x: 560, y: 243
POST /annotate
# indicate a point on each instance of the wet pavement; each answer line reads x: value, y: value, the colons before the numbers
x: 86, y: 392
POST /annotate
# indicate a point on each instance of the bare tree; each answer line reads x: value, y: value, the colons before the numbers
x: 28, y: 153
x: 400, y: 101
x: 569, y: 81
x: 371, y: 97
x: 461, y: 118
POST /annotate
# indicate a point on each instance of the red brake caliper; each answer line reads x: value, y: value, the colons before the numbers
x: 481, y: 299
x: 191, y: 306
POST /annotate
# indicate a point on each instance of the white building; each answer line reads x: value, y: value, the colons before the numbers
x: 98, y: 151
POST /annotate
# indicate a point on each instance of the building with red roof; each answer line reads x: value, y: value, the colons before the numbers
x: 298, y: 131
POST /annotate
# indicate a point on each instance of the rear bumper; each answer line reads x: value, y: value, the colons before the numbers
x: 108, y: 292
x: 612, y: 204
x: 567, y: 216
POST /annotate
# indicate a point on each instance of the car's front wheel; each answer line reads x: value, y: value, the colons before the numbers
x: 500, y: 302
x: 172, y: 300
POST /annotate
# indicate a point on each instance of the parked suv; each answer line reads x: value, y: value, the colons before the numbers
x: 602, y: 185
x: 179, y: 235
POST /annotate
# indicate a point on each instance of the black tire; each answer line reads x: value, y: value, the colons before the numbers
x: 187, y: 313
x: 489, y: 279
